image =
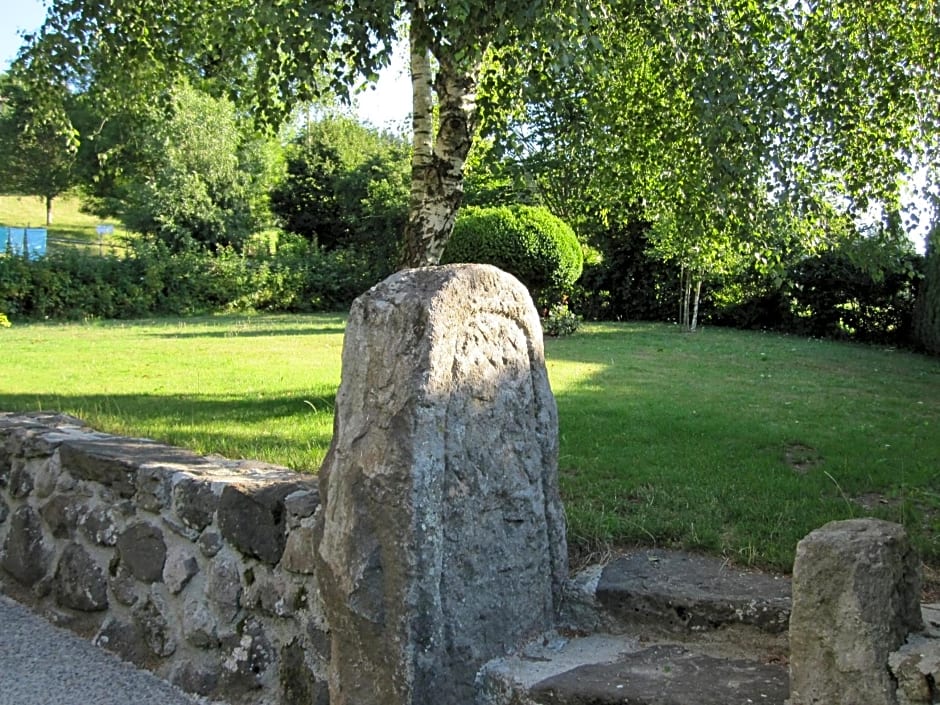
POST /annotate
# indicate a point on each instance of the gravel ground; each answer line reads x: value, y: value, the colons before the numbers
x: 45, y: 665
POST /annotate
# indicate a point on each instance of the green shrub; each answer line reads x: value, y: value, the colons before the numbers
x: 560, y: 322
x: 526, y: 241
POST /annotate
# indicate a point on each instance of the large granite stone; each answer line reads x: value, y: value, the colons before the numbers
x: 856, y: 590
x: 441, y: 543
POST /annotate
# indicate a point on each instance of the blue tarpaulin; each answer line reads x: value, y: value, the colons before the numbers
x: 16, y: 241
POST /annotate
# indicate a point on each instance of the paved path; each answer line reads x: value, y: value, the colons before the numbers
x: 41, y: 664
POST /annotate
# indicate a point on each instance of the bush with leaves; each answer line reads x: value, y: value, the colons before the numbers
x: 540, y: 249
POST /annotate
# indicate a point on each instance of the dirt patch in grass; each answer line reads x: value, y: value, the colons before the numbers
x: 801, y: 458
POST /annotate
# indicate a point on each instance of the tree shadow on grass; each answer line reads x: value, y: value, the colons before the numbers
x: 294, y: 424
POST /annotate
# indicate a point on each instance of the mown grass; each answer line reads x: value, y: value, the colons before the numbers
x: 728, y: 442
x: 68, y: 221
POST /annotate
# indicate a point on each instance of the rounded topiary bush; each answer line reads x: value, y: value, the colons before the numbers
x: 540, y: 249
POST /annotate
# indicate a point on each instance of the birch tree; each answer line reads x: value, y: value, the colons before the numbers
x: 273, y: 54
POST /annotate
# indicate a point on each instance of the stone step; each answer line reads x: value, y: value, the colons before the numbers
x: 608, y: 669
x: 685, y: 593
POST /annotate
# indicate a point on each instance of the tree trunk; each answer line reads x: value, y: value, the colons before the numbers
x: 48, y: 210
x: 698, y: 296
x: 438, y: 159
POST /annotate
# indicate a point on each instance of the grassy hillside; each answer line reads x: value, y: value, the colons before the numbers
x: 69, y: 223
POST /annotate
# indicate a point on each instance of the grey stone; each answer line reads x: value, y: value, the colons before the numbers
x: 302, y: 503
x: 299, y: 551
x: 199, y: 677
x: 79, y: 581
x: 62, y: 515
x: 127, y: 641
x: 273, y: 594
x: 46, y: 475
x: 441, y: 543
x: 299, y: 685
x: 152, y: 620
x: 153, y: 487
x: 100, y: 526
x: 124, y: 587
x: 199, y: 625
x: 179, y: 569
x: 692, y: 593
x: 114, y: 462
x: 667, y: 675
x: 251, y: 517
x: 247, y: 656
x: 4, y: 510
x: 195, y: 502
x: 223, y: 585
x: 21, y: 480
x: 26, y: 554
x: 916, y: 668
x: 179, y: 528
x: 143, y: 551
x: 210, y: 543
x: 856, y: 589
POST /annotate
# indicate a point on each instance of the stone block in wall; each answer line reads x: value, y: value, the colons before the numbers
x: 152, y: 617
x: 26, y: 553
x: 199, y: 676
x: 100, y: 525
x: 21, y: 480
x: 4, y: 510
x: 142, y: 551
x: 247, y: 657
x: 126, y: 640
x: 115, y: 462
x: 251, y: 516
x: 856, y: 592
x: 916, y: 668
x: 62, y: 514
x: 195, y: 502
x: 179, y: 568
x: 79, y: 581
x: 223, y: 588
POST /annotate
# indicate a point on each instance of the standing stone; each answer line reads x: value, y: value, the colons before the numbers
x: 856, y: 589
x: 442, y: 543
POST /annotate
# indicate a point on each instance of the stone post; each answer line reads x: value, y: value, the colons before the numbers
x: 856, y: 597
x: 441, y: 544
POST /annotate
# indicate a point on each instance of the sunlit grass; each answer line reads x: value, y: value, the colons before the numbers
x: 728, y: 442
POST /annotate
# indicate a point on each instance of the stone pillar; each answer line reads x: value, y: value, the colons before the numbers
x: 441, y: 544
x: 856, y: 597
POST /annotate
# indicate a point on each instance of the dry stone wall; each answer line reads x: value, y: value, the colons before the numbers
x: 198, y: 568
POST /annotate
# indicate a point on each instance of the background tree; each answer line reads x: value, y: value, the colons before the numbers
x: 38, y: 142
x: 346, y: 185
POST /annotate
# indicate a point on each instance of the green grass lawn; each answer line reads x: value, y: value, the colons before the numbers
x: 728, y: 442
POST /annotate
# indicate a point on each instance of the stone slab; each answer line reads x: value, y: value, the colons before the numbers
x: 689, y: 592
x: 666, y: 675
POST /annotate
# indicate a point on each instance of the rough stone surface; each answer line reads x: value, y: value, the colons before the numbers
x: 26, y: 555
x: 667, y: 675
x: 252, y: 518
x: 179, y: 569
x: 119, y: 539
x: 441, y: 543
x: 299, y: 551
x: 916, y: 667
x: 856, y: 589
x: 298, y: 683
x: 79, y: 581
x: 143, y: 551
x: 195, y: 502
x: 692, y: 593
